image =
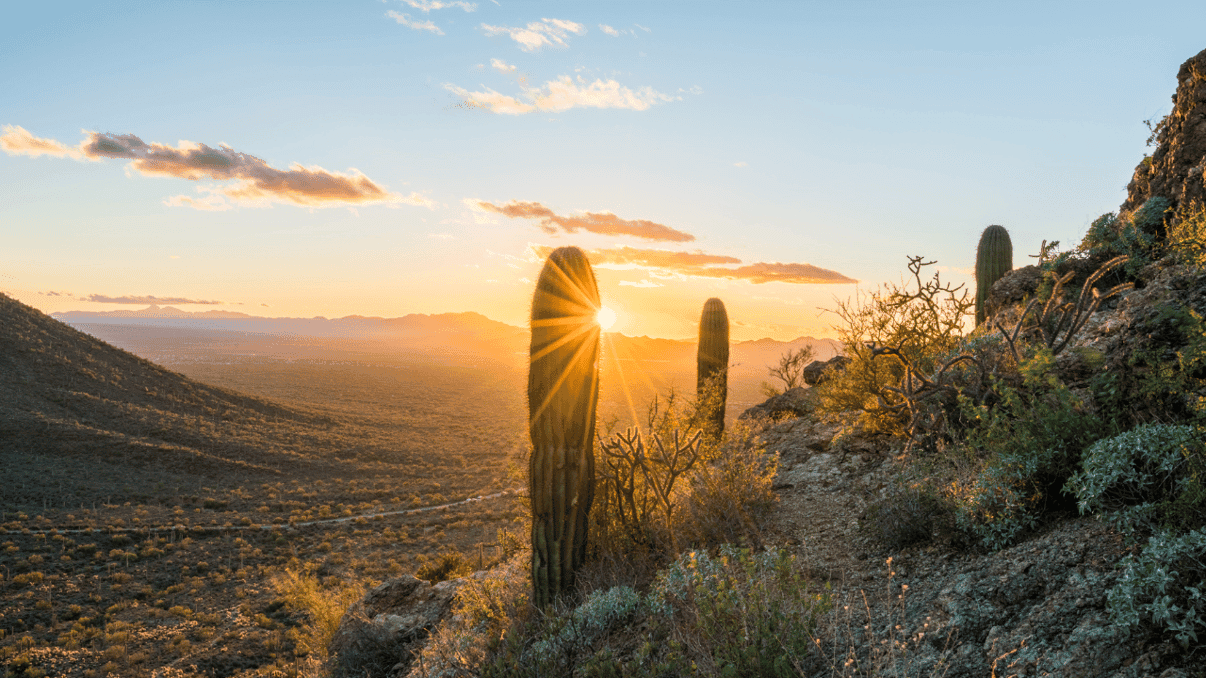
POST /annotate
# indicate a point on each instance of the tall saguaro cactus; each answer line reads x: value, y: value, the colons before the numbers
x: 994, y: 258
x: 563, y: 390
x: 712, y: 365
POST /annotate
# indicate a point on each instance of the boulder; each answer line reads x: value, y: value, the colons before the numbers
x: 818, y: 371
x: 379, y: 632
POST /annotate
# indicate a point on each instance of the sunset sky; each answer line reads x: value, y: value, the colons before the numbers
x: 294, y: 158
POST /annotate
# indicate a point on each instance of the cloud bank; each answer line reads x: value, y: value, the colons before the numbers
x: 256, y: 182
x: 428, y: 5
x: 605, y: 223
x: 563, y: 94
x: 703, y: 265
x: 537, y: 34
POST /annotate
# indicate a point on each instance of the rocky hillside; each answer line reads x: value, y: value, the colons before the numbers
x: 82, y: 420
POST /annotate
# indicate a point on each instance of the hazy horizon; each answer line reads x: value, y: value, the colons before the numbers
x: 411, y: 156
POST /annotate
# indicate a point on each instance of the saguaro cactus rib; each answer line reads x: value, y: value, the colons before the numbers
x: 563, y: 391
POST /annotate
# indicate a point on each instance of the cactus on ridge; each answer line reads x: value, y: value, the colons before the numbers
x: 712, y: 365
x: 563, y: 390
x: 994, y: 258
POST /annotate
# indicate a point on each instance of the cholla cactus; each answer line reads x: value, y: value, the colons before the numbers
x: 994, y: 258
x: 563, y: 390
x: 712, y: 365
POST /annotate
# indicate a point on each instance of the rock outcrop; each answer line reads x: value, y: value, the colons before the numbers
x: 1176, y: 170
x: 380, y: 632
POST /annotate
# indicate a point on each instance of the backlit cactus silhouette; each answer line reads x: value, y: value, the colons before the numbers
x: 712, y: 364
x: 563, y: 389
x: 994, y: 258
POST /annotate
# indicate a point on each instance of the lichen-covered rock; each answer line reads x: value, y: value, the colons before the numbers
x: 379, y: 631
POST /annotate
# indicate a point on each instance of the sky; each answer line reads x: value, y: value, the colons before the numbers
x: 321, y: 158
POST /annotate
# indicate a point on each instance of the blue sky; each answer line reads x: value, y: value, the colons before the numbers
x: 801, y: 146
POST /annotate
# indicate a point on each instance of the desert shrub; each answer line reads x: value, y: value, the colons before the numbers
x: 1149, y: 476
x: 655, y: 496
x: 1149, y: 480
x: 324, y: 604
x: 790, y: 371
x: 1139, y: 235
x: 1187, y: 235
x: 910, y: 514
x: 1164, y: 379
x: 1163, y: 584
x: 447, y: 564
x: 1030, y: 443
x: 893, y: 336
x: 740, y: 613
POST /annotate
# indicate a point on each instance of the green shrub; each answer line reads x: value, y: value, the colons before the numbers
x: 1164, y: 584
x: 448, y: 564
x: 1030, y: 443
x: 1139, y: 235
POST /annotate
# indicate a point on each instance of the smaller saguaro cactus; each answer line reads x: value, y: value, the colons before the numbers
x: 563, y: 391
x: 994, y: 258
x: 712, y: 365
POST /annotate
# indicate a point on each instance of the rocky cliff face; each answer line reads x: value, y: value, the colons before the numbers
x: 1175, y: 170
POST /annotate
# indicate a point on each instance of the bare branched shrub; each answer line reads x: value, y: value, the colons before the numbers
x: 919, y: 325
x: 790, y: 371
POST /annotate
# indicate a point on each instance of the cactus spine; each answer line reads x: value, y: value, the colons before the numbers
x: 994, y: 258
x: 563, y: 389
x: 712, y: 364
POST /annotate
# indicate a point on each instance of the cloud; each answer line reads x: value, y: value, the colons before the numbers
x: 741, y: 164
x: 405, y: 20
x: 799, y: 274
x: 594, y: 222
x: 537, y: 34
x: 428, y: 5
x: 609, y: 30
x: 18, y: 141
x: 53, y: 293
x: 145, y: 299
x: 563, y: 94
x: 441, y: 236
x: 255, y: 181
x: 502, y: 66
x: 703, y: 265
x: 641, y: 284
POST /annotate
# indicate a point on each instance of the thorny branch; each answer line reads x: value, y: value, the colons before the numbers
x: 625, y: 453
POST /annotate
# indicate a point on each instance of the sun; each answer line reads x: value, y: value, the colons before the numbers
x: 605, y: 317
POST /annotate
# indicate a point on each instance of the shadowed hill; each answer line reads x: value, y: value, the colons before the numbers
x: 80, y: 419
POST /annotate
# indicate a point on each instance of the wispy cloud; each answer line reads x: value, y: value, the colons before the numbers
x: 145, y: 299
x: 799, y: 274
x: 18, y: 141
x: 502, y: 66
x: 537, y: 34
x: 594, y: 222
x: 563, y: 94
x: 741, y: 163
x: 609, y: 30
x: 256, y: 182
x: 703, y: 265
x: 428, y: 5
x: 641, y: 284
x: 417, y: 25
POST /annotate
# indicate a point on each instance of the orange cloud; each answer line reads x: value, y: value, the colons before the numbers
x: 18, y: 141
x: 701, y: 264
x: 594, y: 222
x: 257, y: 182
x: 563, y: 94
x: 799, y: 274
